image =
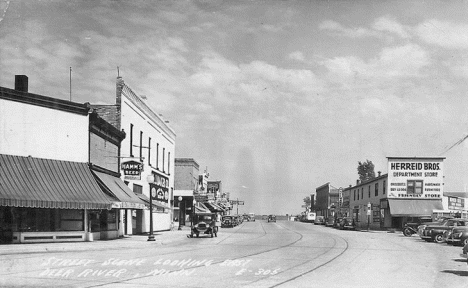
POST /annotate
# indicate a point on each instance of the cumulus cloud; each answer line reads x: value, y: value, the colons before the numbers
x: 390, y: 25
x: 391, y: 63
x: 356, y: 32
x: 444, y: 34
x: 296, y: 55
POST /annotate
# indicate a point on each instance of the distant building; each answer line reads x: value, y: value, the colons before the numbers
x: 327, y: 200
x: 185, y: 183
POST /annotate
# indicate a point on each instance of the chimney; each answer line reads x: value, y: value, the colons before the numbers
x: 21, y: 83
x: 379, y: 173
x: 357, y: 182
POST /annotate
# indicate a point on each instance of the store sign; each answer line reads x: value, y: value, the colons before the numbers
x: 418, y: 178
x: 132, y: 170
x: 160, y: 188
x: 455, y: 203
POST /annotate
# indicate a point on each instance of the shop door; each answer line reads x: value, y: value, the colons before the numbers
x: 6, y: 233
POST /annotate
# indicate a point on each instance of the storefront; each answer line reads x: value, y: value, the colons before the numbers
x: 44, y: 200
x: 127, y: 203
x: 415, y: 188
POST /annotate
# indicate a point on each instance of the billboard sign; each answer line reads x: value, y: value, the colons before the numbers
x: 421, y: 178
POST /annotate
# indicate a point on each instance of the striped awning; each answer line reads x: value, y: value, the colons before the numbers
x: 116, y: 187
x: 145, y: 199
x: 45, y: 183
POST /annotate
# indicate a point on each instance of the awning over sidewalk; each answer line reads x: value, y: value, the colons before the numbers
x: 201, y: 209
x: 116, y: 187
x: 213, y: 207
x: 146, y: 200
x: 45, y: 183
x: 413, y: 207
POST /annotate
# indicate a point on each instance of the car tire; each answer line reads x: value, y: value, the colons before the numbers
x: 464, y: 242
x: 439, y: 238
x: 407, y: 232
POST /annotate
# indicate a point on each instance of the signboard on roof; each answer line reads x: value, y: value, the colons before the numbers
x: 416, y: 178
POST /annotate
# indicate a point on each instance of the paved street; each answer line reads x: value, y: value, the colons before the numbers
x: 254, y: 254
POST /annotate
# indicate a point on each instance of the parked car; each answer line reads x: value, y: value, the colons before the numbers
x: 319, y: 220
x: 457, y: 235
x: 336, y: 224
x: 347, y: 223
x: 227, y: 221
x: 435, y: 232
x: 271, y: 218
x: 411, y: 227
x: 435, y: 222
x: 330, y: 221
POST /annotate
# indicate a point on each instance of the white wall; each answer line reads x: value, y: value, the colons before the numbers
x: 42, y: 132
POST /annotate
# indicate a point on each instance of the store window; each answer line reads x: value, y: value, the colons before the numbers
x: 48, y: 220
x: 137, y: 189
x: 414, y: 187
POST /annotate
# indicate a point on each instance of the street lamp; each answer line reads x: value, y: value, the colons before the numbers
x: 150, y: 180
x: 193, y: 211
x: 180, y: 212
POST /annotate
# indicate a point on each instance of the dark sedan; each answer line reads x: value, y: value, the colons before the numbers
x: 347, y: 223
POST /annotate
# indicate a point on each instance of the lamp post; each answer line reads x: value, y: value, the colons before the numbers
x: 180, y: 212
x: 193, y: 212
x: 150, y: 180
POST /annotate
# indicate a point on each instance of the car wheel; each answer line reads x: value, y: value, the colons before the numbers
x: 407, y: 232
x: 464, y: 242
x: 439, y: 238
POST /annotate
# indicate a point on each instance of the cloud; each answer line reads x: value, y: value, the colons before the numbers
x: 444, y: 34
x: 390, y: 25
x: 297, y: 55
x: 358, y: 32
x: 391, y: 63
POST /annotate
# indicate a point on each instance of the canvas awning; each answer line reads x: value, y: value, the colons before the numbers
x: 116, y: 187
x: 145, y: 199
x: 45, y: 183
x: 213, y: 207
x: 413, y: 207
x: 201, y: 209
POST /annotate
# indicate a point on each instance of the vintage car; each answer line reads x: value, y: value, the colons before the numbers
x: 319, y: 220
x: 251, y: 217
x: 227, y: 221
x: 330, y: 221
x: 271, y: 218
x: 347, y: 223
x: 337, y: 222
x: 411, y: 227
x: 204, y: 223
x: 435, y: 232
x: 457, y: 235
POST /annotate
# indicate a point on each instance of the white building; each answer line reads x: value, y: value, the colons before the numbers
x: 148, y: 149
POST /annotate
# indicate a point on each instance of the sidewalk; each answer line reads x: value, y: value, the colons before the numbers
x: 132, y: 241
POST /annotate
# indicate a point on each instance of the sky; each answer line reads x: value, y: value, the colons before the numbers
x: 273, y: 98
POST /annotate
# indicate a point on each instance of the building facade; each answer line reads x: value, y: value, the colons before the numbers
x: 148, y: 150
x: 412, y: 188
x: 327, y: 200
x: 49, y: 192
x: 185, y: 183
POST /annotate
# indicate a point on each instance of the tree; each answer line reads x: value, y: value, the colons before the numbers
x: 365, y: 170
x: 307, y: 201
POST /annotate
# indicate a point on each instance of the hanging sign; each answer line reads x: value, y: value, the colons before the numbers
x: 132, y: 170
